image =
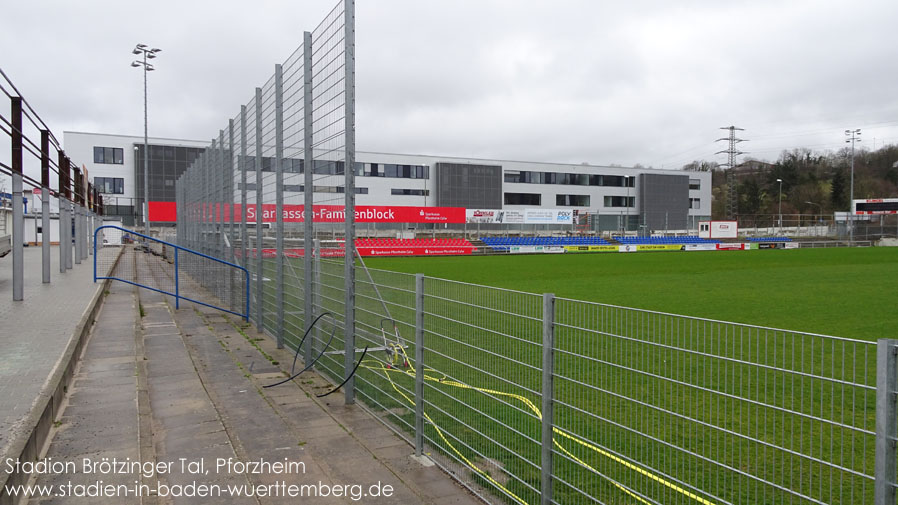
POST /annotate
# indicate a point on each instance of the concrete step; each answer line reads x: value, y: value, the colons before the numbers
x: 183, y: 390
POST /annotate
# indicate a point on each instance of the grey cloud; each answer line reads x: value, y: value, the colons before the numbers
x: 569, y: 81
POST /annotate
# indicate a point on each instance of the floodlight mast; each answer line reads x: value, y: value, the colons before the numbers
x: 853, y: 136
x: 147, y: 67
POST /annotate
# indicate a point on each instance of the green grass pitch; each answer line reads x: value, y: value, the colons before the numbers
x: 841, y: 292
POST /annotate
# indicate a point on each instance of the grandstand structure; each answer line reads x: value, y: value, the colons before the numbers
x: 769, y: 239
x: 673, y: 240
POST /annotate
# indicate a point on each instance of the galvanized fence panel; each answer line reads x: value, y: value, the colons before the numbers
x: 673, y: 409
x: 482, y: 385
x: 385, y: 326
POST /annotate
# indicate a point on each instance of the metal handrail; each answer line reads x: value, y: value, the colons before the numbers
x: 177, y: 294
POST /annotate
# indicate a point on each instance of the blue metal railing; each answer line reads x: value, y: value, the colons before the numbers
x: 177, y: 292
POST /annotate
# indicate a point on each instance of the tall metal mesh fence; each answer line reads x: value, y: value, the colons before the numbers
x: 523, y: 398
x: 273, y: 193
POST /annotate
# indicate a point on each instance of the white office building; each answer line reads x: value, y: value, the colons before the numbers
x: 616, y: 198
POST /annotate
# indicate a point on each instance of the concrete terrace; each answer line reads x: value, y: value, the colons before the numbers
x: 170, y: 386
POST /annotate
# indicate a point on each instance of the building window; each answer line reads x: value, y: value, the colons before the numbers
x: 358, y: 191
x: 523, y: 199
x: 571, y: 179
x: 572, y: 200
x: 695, y: 203
x: 109, y: 155
x: 110, y: 185
x: 620, y: 201
x: 411, y: 192
x: 695, y: 184
x: 394, y: 171
x: 338, y: 189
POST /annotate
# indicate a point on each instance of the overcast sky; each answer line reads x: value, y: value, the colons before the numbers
x: 641, y: 82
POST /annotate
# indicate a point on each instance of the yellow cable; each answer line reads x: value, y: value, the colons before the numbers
x: 529, y: 404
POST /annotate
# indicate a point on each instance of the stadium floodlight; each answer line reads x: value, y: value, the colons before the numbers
x: 147, y: 67
x: 853, y: 136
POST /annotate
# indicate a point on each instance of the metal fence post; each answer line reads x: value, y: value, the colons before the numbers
x: 308, y: 195
x: 69, y: 226
x: 177, y: 284
x: 547, y: 395
x: 886, y: 421
x: 90, y: 220
x: 316, y: 276
x: 76, y: 217
x: 204, y: 220
x: 419, y: 364
x: 229, y: 209
x: 279, y: 199
x: 349, y: 174
x: 70, y: 215
x: 84, y: 217
x: 45, y: 206
x: 218, y: 178
x: 18, y: 216
x: 83, y: 196
x: 241, y: 162
x: 260, y: 322
x: 60, y: 198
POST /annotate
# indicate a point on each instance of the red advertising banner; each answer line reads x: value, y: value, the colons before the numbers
x: 163, y: 212
x: 414, y: 251
x: 728, y: 246
x: 371, y: 251
x: 336, y: 213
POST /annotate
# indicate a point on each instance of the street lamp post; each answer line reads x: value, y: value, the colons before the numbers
x: 853, y: 136
x: 147, y: 67
x: 781, y: 205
